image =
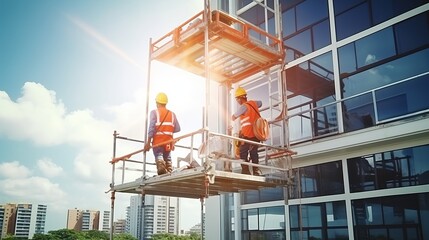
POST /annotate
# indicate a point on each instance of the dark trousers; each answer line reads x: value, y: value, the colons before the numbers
x: 247, y: 149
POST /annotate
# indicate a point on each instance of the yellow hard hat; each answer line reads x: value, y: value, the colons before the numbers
x: 240, y: 92
x: 161, y: 98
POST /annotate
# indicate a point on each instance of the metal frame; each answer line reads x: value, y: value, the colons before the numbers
x: 223, y: 47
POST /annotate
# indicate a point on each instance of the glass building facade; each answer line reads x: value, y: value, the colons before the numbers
x: 357, y: 80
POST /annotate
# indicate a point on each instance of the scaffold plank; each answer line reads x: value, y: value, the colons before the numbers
x: 194, y: 183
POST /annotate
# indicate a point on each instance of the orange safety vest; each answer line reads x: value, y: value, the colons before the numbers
x: 248, y: 118
x: 164, y: 129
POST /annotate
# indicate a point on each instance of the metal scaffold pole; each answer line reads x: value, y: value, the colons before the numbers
x: 207, y: 75
x: 202, y: 217
x: 112, y: 184
x: 147, y: 103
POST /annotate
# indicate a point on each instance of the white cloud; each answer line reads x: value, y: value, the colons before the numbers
x: 14, y: 170
x: 18, y: 184
x: 39, y: 117
x: 49, y: 168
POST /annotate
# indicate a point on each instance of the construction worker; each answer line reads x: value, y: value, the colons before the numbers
x: 163, y: 123
x: 248, y: 112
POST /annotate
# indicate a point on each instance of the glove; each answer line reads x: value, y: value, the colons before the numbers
x: 146, y: 147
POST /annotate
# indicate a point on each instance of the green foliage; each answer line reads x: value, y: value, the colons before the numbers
x: 123, y: 236
x: 95, y: 235
x: 163, y: 236
x: 68, y: 234
x: 63, y: 234
x: 11, y: 237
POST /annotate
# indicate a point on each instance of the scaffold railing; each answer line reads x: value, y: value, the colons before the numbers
x: 214, y: 170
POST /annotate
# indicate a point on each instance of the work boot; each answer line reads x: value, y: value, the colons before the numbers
x: 245, y: 169
x: 256, y: 171
x: 168, y: 166
x: 160, y: 167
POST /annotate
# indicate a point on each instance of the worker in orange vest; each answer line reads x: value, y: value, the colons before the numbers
x: 248, y: 112
x: 163, y: 123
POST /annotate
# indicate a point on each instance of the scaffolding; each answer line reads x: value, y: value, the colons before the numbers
x: 227, y: 50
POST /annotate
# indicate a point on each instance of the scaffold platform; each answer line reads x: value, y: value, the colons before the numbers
x: 211, y: 176
x: 236, y: 49
x: 195, y: 183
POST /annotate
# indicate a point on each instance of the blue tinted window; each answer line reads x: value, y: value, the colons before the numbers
x: 255, y: 15
x: 358, y: 112
x: 321, y: 35
x: 305, y: 28
x: 262, y: 195
x: 289, y: 25
x: 312, y: 221
x: 375, y: 47
x: 404, y: 98
x: 387, y: 73
x: 352, y: 16
x: 289, y: 3
x: 224, y: 5
x: 383, y: 218
x: 311, y: 82
x: 242, y: 3
x: 319, y: 180
x: 310, y: 12
x: 347, y: 59
x: 384, y: 44
x: 412, y: 33
x: 300, y: 44
x: 270, y: 3
x: 352, y: 21
x: 271, y: 218
x: 341, y: 5
x: 381, y: 10
x: 260, y: 219
x: 252, y: 215
x: 401, y: 168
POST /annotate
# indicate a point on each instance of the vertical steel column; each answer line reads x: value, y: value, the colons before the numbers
x: 147, y: 103
x: 112, y: 184
x: 202, y: 217
x: 206, y: 61
x: 142, y: 216
x: 207, y: 20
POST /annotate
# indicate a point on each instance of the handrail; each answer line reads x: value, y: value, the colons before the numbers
x: 346, y: 98
x: 124, y: 157
x: 253, y: 142
x: 218, y: 18
x: 200, y: 131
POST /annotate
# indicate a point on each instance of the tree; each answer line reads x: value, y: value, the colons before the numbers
x: 95, y: 235
x: 123, y: 236
x: 69, y: 234
x: 64, y: 234
x: 11, y: 237
x: 168, y: 236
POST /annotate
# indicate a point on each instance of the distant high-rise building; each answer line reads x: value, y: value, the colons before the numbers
x: 106, y: 221
x: 160, y: 215
x: 128, y: 220
x: 119, y: 226
x: 83, y: 220
x: 22, y: 220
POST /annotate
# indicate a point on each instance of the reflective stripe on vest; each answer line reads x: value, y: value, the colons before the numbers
x: 247, y: 120
x: 164, y: 129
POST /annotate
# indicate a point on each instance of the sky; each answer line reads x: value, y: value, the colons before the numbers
x: 71, y: 73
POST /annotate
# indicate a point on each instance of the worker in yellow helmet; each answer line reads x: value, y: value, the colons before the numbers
x: 248, y: 112
x: 163, y: 123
